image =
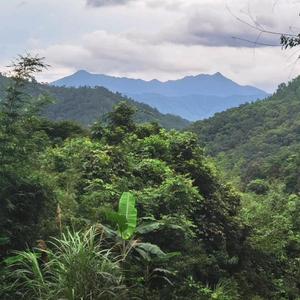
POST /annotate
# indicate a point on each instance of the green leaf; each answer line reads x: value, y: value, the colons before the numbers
x: 165, y: 271
x: 149, y: 227
x: 11, y: 260
x: 170, y: 255
x: 148, y: 251
x: 110, y: 233
x: 151, y: 249
x: 116, y: 219
x: 128, y: 210
x: 143, y: 254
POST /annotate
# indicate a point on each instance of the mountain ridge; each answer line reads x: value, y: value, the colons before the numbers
x: 223, y: 92
x: 85, y: 75
x: 85, y: 105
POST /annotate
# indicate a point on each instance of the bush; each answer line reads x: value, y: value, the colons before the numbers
x: 258, y: 186
x: 77, y: 267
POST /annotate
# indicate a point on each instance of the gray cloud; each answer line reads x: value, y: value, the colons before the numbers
x: 214, y: 25
x: 22, y: 3
x: 157, y: 4
x: 164, y: 39
x: 99, y: 3
x: 123, y: 55
x: 232, y: 23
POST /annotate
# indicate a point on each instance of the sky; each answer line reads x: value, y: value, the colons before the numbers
x: 154, y: 39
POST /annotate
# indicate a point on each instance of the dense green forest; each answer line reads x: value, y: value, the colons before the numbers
x: 127, y: 210
x: 257, y: 148
x: 258, y: 141
x: 85, y: 105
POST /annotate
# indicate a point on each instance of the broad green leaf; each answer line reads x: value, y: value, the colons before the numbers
x: 143, y: 254
x: 110, y: 233
x: 116, y: 219
x: 148, y: 250
x: 149, y: 227
x: 170, y: 255
x: 151, y: 249
x: 128, y: 210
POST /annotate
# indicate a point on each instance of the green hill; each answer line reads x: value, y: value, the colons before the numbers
x: 85, y: 105
x: 132, y: 211
x: 258, y: 140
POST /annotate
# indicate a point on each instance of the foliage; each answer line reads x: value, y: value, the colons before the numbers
x: 77, y: 267
x: 258, y: 140
x: 182, y: 205
x: 126, y: 217
x: 289, y: 41
x: 86, y: 105
x: 257, y: 147
x: 258, y: 186
x: 25, y: 194
x: 232, y: 245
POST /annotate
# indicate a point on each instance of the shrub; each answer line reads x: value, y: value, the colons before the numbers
x: 77, y: 267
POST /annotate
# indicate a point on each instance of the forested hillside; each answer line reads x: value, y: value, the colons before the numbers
x: 85, y: 105
x: 174, y: 235
x: 256, y: 146
x: 259, y: 140
x: 152, y: 176
x: 122, y: 210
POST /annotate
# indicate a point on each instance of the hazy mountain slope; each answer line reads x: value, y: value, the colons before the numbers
x: 216, y: 85
x: 258, y: 140
x: 85, y: 105
x: 192, y: 107
x: 192, y: 97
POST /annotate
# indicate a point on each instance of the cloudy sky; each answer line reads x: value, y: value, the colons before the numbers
x: 162, y: 39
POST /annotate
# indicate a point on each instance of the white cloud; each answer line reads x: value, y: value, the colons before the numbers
x: 164, y: 39
x: 123, y: 55
x: 99, y: 3
x: 233, y: 23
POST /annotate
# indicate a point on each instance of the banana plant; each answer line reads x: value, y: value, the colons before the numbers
x: 126, y: 217
x: 126, y: 221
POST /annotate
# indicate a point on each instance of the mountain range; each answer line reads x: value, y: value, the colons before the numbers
x: 192, y: 97
x: 85, y: 105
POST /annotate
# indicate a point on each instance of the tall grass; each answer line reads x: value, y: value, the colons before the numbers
x: 78, y: 267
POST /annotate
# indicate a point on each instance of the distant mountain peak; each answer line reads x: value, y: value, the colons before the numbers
x: 82, y: 72
x: 192, y: 97
x: 218, y: 74
x: 202, y: 84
